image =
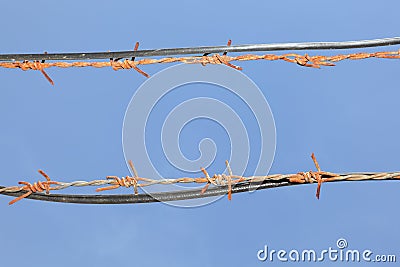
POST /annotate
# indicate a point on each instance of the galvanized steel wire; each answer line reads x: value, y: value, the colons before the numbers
x: 204, y: 50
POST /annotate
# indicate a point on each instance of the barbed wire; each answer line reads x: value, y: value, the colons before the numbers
x: 220, y: 184
x: 25, y: 60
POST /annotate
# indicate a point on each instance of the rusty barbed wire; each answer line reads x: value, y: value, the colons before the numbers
x: 116, y: 64
x: 302, y: 60
x: 229, y: 182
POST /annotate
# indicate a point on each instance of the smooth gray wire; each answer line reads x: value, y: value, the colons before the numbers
x: 190, y: 193
x: 203, y: 50
x: 148, y: 198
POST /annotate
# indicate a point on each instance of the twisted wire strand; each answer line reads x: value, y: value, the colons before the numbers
x: 302, y: 60
x: 260, y: 183
x: 254, y: 179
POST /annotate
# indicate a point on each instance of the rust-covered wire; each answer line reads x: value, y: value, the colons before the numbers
x: 126, y: 59
x: 302, y: 60
x: 220, y: 184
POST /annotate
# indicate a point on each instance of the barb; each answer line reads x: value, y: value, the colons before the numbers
x: 221, y: 184
x: 33, y: 188
x: 127, y: 64
x: 36, y: 65
x: 223, y: 59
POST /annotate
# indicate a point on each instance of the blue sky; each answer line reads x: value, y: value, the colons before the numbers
x: 346, y: 115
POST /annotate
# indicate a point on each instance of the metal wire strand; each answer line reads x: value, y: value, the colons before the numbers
x: 147, y: 198
x: 224, y: 184
x: 203, y: 50
x: 254, y: 183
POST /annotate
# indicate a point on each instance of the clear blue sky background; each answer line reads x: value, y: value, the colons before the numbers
x: 347, y: 115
